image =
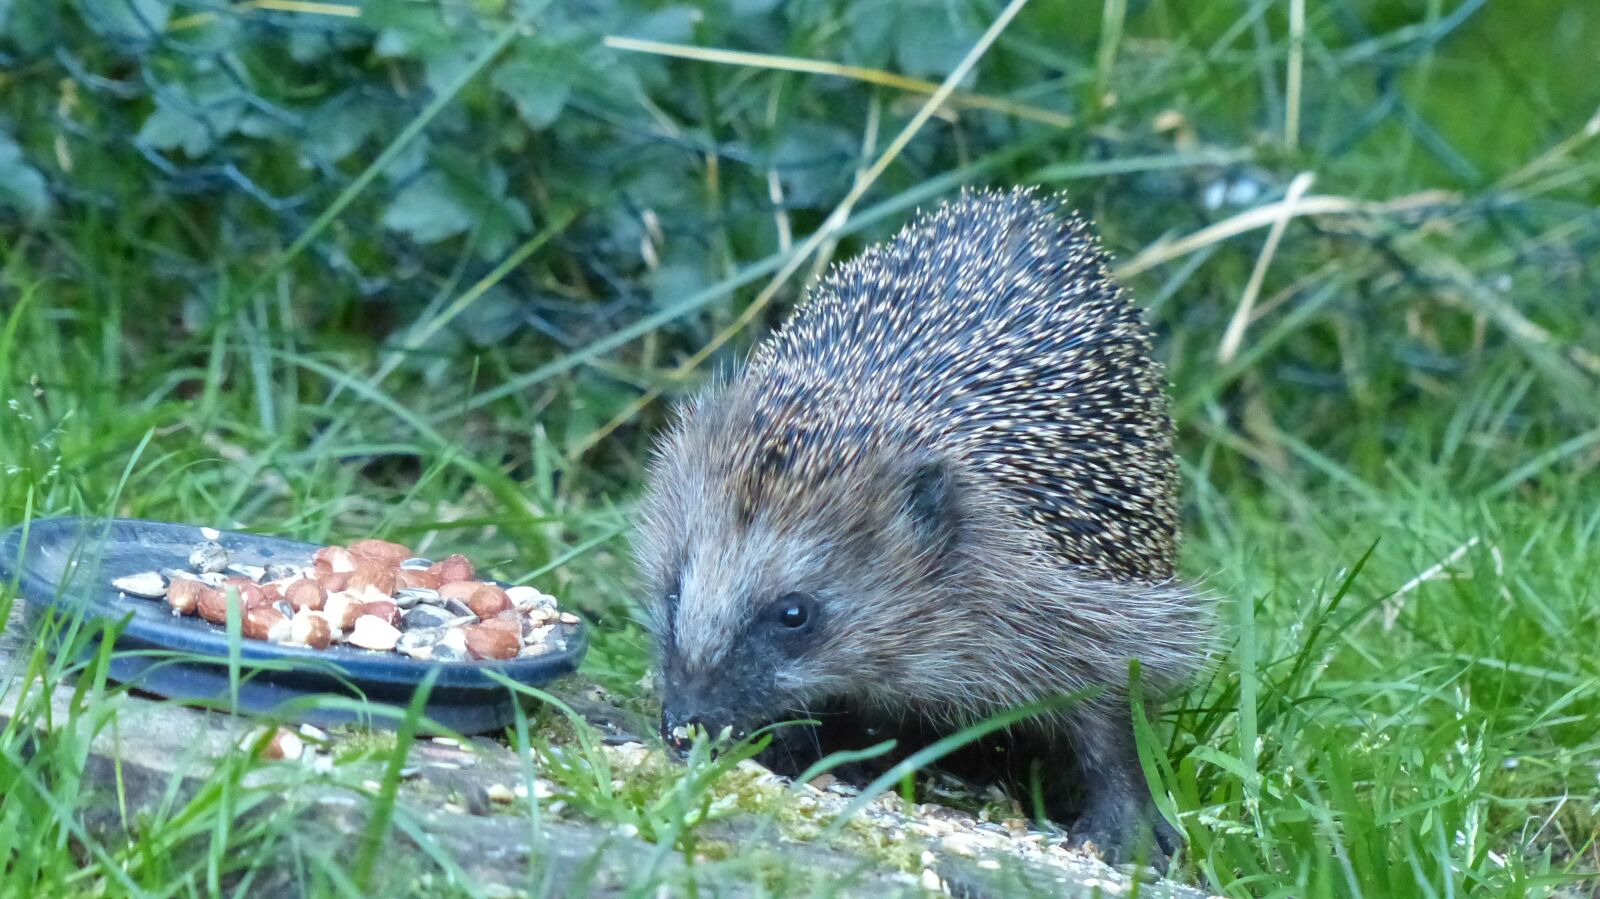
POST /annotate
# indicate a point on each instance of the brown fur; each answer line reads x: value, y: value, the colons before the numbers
x: 957, y: 453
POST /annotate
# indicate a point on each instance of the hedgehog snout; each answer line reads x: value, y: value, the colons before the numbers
x: 723, y: 702
x: 681, y: 721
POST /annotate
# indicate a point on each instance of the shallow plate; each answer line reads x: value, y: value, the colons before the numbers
x: 67, y: 566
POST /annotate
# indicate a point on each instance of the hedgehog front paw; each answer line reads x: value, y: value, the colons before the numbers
x: 1124, y: 831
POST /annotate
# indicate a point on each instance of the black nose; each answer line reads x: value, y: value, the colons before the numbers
x: 678, y: 727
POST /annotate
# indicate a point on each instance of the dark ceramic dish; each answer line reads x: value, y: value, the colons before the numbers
x: 65, y: 569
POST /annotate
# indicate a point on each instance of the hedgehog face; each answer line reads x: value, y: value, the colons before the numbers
x: 748, y: 627
x: 769, y: 603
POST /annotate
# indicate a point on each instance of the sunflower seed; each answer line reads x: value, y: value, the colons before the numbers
x: 411, y: 596
x: 419, y: 643
x: 145, y: 585
x: 208, y: 557
x: 452, y: 647
x: 280, y: 572
x: 526, y: 598
x: 426, y: 617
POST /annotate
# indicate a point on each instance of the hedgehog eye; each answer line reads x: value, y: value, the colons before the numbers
x: 793, y: 610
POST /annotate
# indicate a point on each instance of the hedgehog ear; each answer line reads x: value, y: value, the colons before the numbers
x: 930, y: 501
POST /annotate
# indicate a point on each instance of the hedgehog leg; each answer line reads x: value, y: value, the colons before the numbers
x: 1116, y: 815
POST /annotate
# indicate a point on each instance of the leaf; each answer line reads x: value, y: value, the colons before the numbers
x: 340, y: 126
x: 538, y: 79
x: 444, y: 64
x: 193, y: 120
x: 29, y: 27
x: 169, y: 127
x: 429, y: 209
x: 931, y: 40
x: 22, y: 187
x: 814, y: 160
x: 744, y: 8
x: 675, y: 25
x: 127, y: 19
x: 443, y: 204
x: 404, y: 29
x: 868, y: 34
x: 672, y: 282
x: 495, y: 316
x: 502, y: 218
x: 331, y: 36
x: 445, y: 38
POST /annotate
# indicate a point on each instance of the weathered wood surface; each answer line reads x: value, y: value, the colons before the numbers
x: 159, y: 755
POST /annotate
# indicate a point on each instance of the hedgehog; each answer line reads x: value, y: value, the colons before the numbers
x: 944, y: 488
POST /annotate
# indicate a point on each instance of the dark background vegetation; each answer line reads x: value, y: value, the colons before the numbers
x: 328, y: 269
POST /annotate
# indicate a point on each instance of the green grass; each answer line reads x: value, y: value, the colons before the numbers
x: 1392, y: 484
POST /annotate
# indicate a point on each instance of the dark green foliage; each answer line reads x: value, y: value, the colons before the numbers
x: 407, y: 273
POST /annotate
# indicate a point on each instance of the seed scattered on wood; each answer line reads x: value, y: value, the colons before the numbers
x: 541, y: 790
x: 285, y: 744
